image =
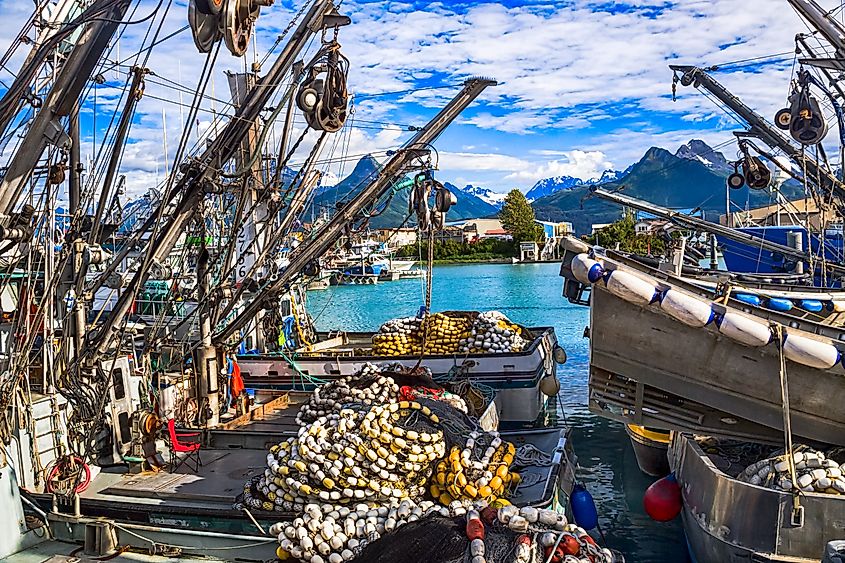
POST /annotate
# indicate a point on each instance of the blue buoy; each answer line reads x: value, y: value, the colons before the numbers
x: 811, y: 305
x: 778, y: 304
x: 583, y: 508
x: 747, y: 298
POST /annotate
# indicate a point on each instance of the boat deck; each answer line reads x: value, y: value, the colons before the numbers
x: 62, y: 552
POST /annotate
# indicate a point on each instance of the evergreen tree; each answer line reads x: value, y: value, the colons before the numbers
x: 517, y: 217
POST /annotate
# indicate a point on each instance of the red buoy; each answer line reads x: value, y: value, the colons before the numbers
x: 662, y: 500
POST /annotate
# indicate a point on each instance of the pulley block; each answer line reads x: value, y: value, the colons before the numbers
x: 233, y: 20
x: 807, y: 124
x: 757, y: 174
x: 322, y: 97
x: 205, y: 26
x: 237, y: 19
x: 782, y: 119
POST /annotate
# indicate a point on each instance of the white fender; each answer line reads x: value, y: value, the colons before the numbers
x: 586, y: 270
x: 688, y: 309
x: 573, y: 244
x: 810, y: 352
x: 745, y: 330
x: 631, y: 288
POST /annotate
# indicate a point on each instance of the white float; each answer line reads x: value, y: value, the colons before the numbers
x: 810, y: 352
x: 586, y: 270
x: 631, y: 288
x: 744, y: 330
x: 688, y: 309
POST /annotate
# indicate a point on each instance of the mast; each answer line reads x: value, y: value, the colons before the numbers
x: 819, y: 18
x: 193, y: 182
x: 759, y: 127
x: 60, y: 101
x: 331, y: 232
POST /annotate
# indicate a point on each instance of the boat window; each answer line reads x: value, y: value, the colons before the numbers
x: 117, y: 383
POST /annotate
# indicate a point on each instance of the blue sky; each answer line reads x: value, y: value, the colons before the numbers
x: 584, y: 85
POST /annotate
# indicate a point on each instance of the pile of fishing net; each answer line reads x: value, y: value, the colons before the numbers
x: 814, y: 472
x: 365, y: 463
x: 376, y: 385
x: 483, y: 533
x: 450, y: 333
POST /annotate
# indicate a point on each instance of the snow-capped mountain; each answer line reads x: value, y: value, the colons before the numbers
x: 548, y: 186
x: 496, y: 199
x: 702, y: 152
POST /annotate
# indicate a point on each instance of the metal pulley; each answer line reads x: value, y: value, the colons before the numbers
x: 807, y: 124
x: 322, y: 97
x: 204, y: 26
x: 233, y: 20
x: 444, y: 200
x: 736, y: 180
x: 757, y: 174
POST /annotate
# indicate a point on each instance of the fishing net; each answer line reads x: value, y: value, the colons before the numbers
x: 450, y: 332
x: 439, y: 539
x: 366, y: 463
x: 814, y: 472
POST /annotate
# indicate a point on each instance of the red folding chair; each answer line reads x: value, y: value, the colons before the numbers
x: 190, y: 448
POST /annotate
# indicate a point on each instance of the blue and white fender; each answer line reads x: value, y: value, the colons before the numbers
x: 689, y: 310
x: 586, y: 270
x: 631, y: 288
x: 744, y: 330
x: 810, y: 352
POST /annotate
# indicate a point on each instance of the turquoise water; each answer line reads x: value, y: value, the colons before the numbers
x: 530, y: 294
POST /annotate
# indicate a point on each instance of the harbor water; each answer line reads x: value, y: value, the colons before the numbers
x: 530, y: 294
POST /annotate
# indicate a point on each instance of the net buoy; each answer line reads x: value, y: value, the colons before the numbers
x: 836, y: 306
x: 811, y: 305
x: 631, y: 288
x: 586, y: 270
x: 550, y: 386
x: 662, y: 500
x: 583, y: 508
x: 687, y: 309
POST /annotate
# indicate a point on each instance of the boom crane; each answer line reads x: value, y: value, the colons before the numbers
x: 192, y: 184
x: 332, y: 231
x: 828, y: 27
x: 761, y: 128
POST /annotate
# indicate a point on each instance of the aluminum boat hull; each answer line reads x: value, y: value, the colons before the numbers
x: 730, y: 521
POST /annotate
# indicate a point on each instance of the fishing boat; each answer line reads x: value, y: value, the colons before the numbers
x: 770, y: 530
x: 651, y: 448
x: 517, y: 378
x: 119, y: 429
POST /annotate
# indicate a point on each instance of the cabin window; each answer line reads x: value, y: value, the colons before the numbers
x: 125, y: 430
x: 117, y: 384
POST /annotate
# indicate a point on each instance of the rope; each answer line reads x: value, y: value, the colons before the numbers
x: 787, y: 419
x: 529, y: 454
